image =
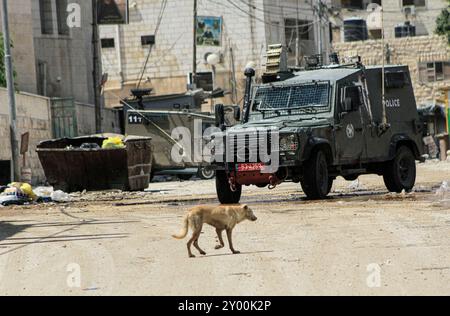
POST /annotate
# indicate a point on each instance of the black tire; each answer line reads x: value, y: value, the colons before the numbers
x: 184, y: 177
x: 316, y: 182
x: 224, y: 192
x: 152, y: 176
x: 206, y: 173
x: 330, y: 185
x: 400, y: 173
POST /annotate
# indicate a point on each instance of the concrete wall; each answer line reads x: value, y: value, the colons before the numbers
x: 408, y: 51
x: 68, y: 58
x: 21, y: 31
x: 33, y: 116
x: 246, y: 31
x: 86, y: 120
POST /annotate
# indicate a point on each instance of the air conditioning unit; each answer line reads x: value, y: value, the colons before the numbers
x: 409, y: 10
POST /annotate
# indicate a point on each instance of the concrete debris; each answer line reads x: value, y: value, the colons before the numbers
x: 444, y: 190
x: 357, y: 186
x: 401, y: 196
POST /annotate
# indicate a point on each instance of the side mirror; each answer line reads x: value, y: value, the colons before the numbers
x: 237, y: 113
x: 220, y: 115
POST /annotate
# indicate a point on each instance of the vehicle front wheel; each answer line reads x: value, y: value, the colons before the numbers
x: 206, y: 173
x: 224, y: 192
x: 316, y: 182
x: 400, y: 173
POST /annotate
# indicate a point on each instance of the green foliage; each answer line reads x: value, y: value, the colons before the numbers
x: 443, y: 23
x: 2, y: 64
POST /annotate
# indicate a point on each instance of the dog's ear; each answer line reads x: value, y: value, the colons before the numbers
x: 245, y: 207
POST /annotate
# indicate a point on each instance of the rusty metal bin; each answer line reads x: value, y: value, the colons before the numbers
x: 70, y: 168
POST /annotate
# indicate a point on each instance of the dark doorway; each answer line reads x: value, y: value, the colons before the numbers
x: 5, y: 172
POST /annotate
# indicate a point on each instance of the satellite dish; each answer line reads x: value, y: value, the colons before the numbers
x: 374, y: 7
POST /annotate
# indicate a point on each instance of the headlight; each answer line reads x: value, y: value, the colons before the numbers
x: 288, y: 143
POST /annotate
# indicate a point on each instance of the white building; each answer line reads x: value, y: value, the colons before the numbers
x: 421, y: 14
x: 248, y: 27
x: 50, y: 58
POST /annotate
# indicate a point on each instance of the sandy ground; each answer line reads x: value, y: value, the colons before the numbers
x: 360, y: 241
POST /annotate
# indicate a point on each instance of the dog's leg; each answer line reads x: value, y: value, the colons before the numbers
x: 230, y: 241
x: 189, y: 245
x: 197, y: 234
x: 219, y: 235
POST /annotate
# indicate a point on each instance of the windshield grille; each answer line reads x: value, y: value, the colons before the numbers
x: 292, y: 97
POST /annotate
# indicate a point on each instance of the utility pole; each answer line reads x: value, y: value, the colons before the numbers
x: 11, y: 96
x: 297, y: 41
x: 96, y: 71
x: 194, y: 57
x: 319, y: 25
x: 383, y: 81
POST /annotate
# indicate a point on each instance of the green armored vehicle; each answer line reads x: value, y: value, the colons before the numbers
x: 312, y: 126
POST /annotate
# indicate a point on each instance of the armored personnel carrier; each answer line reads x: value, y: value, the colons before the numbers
x: 312, y: 126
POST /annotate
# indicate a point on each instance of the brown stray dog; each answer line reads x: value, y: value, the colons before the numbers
x: 223, y: 217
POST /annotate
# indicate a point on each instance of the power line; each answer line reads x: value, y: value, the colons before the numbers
x: 262, y: 20
x: 158, y: 24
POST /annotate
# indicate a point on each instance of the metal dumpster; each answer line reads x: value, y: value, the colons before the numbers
x: 77, y: 164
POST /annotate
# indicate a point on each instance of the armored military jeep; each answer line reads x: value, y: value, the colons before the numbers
x: 312, y: 126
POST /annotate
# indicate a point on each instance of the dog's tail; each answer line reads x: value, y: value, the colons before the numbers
x: 185, y: 230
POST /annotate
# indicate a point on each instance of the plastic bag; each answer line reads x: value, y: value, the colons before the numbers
x: 113, y: 143
x: 13, y: 196
x: 25, y: 188
x: 60, y: 197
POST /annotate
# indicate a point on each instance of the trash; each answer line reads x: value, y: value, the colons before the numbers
x: 357, y: 186
x: 90, y: 146
x: 60, y: 197
x: 43, y: 192
x: 26, y: 189
x: 127, y: 168
x: 400, y: 196
x: 13, y: 196
x: 113, y: 143
x: 443, y: 190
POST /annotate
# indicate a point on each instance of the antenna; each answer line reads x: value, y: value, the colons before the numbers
x: 372, y: 8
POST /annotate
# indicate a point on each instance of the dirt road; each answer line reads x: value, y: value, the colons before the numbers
x: 360, y: 241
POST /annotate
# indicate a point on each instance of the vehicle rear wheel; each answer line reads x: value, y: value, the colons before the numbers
x: 400, y: 173
x: 224, y: 192
x: 316, y: 182
x: 330, y: 185
x: 206, y: 173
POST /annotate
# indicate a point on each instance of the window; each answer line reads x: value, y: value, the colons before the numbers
x: 396, y: 79
x: 434, y: 71
x: 292, y: 96
x: 148, y: 40
x: 46, y: 13
x: 61, y: 9
x: 108, y: 43
x: 417, y: 3
x: 304, y: 30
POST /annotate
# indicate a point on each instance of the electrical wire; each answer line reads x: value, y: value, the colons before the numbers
x: 158, y: 24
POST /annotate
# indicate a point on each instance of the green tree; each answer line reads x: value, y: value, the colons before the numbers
x: 443, y: 23
x: 2, y: 63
